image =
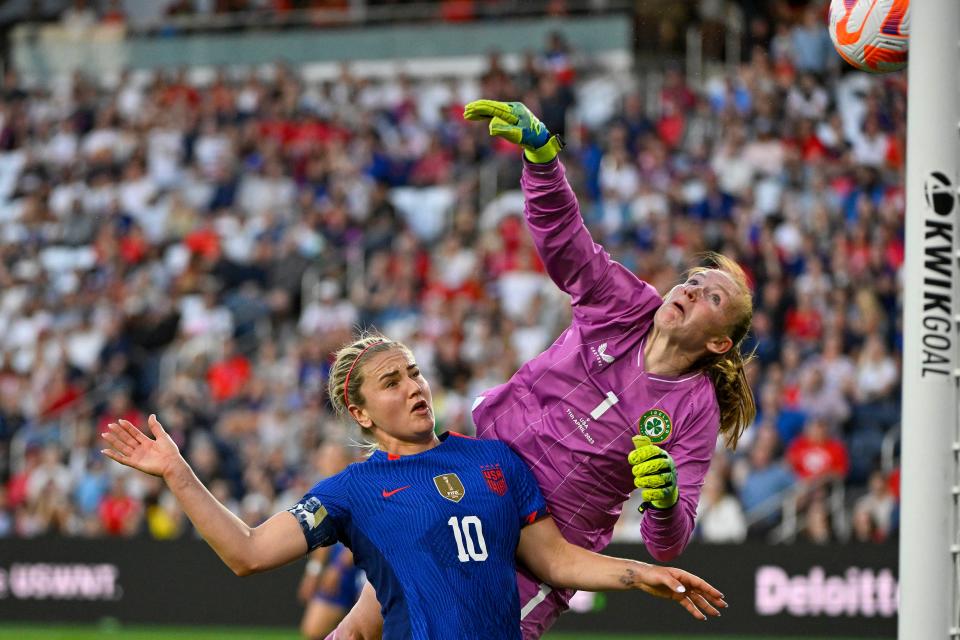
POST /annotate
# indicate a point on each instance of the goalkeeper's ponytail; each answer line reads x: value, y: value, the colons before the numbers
x: 734, y: 395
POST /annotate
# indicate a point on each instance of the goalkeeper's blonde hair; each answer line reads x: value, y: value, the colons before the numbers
x: 727, y: 370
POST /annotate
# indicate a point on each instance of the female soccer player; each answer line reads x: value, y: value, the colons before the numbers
x: 435, y: 522
x: 632, y: 395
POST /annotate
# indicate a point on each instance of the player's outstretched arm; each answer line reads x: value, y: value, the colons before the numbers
x: 244, y: 549
x: 598, y: 286
x: 560, y: 564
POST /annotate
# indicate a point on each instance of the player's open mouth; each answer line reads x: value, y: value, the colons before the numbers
x: 420, y: 407
x: 680, y: 307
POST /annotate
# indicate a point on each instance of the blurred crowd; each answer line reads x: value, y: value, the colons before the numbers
x: 198, y: 249
x: 168, y: 16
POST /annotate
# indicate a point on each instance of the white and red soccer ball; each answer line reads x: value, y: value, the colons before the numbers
x: 872, y: 35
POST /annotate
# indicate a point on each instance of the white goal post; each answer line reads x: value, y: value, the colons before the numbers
x: 930, y: 481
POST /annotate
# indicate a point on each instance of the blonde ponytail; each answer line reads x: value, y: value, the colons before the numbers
x: 734, y: 395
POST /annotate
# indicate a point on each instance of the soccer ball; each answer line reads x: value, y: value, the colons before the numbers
x: 872, y: 35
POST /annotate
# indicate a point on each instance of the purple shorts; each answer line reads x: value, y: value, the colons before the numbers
x: 540, y: 605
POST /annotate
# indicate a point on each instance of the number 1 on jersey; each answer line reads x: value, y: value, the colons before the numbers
x: 461, y: 533
x: 601, y: 408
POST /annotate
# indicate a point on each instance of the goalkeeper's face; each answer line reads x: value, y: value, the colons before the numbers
x: 696, y: 314
x: 397, y: 402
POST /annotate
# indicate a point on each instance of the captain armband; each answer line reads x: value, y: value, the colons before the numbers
x: 317, y: 526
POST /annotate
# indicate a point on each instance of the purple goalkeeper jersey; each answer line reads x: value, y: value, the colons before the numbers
x: 570, y: 413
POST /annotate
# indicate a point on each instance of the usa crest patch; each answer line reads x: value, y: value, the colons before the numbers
x: 495, y: 479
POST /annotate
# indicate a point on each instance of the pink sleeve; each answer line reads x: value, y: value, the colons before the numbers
x: 666, y: 533
x: 602, y: 290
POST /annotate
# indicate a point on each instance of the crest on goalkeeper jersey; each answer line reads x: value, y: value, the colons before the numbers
x: 656, y: 425
x: 450, y: 487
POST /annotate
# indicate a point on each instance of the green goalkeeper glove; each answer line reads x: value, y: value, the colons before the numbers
x: 514, y: 122
x: 654, y: 473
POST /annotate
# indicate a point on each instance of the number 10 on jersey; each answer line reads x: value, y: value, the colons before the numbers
x: 468, y: 532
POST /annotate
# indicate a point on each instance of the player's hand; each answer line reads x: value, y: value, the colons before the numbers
x: 654, y: 473
x: 129, y: 446
x: 694, y: 594
x: 329, y: 583
x: 308, y: 586
x: 513, y: 121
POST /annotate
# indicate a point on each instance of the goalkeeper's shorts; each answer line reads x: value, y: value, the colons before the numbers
x: 540, y: 604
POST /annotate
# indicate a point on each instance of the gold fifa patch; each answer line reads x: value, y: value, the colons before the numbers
x: 450, y: 487
x: 656, y: 425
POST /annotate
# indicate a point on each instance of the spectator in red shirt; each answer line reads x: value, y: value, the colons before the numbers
x: 17, y: 485
x: 114, y: 14
x: 204, y: 241
x: 676, y: 91
x: 893, y: 483
x: 133, y: 247
x: 119, y: 407
x: 457, y: 10
x: 179, y: 92
x: 810, y: 147
x: 228, y: 376
x: 804, y: 322
x: 671, y: 125
x: 816, y: 455
x: 58, y: 395
x: 119, y: 512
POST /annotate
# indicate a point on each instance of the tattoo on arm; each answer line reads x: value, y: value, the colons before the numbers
x: 628, y: 578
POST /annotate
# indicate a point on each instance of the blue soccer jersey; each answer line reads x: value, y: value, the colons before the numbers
x: 436, y: 533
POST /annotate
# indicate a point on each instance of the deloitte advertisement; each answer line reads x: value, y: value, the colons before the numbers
x: 799, y: 589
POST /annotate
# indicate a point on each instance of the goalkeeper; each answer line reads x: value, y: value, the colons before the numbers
x: 633, y: 394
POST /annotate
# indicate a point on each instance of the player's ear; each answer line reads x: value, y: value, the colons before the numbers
x: 719, y: 345
x: 360, y: 415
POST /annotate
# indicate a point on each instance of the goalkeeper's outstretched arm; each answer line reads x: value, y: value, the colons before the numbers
x: 599, y: 287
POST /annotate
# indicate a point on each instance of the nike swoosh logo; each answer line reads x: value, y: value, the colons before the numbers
x: 387, y: 494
